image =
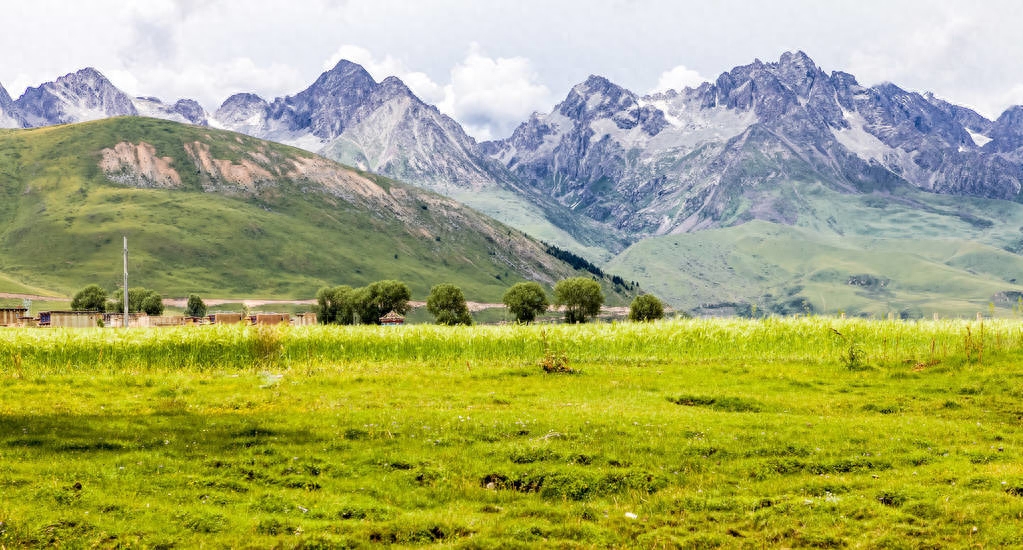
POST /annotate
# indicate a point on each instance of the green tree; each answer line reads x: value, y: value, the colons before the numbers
x: 525, y: 301
x: 581, y: 297
x: 140, y: 300
x: 90, y: 298
x: 377, y: 299
x: 646, y: 307
x: 336, y: 305
x: 196, y: 307
x: 152, y: 304
x: 447, y: 304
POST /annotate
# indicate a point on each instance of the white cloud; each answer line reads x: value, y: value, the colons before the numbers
x: 490, y: 97
x: 947, y: 52
x: 678, y: 78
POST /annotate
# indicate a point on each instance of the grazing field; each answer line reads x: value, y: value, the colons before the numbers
x: 700, y: 433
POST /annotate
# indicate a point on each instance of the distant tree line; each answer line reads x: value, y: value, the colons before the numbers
x: 578, y: 262
x: 581, y: 298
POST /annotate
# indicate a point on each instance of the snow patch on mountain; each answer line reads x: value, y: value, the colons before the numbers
x: 978, y: 138
x: 856, y: 139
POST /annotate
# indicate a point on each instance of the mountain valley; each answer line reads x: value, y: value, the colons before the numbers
x: 706, y: 196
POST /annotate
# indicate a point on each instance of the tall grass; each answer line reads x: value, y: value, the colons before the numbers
x: 813, y: 340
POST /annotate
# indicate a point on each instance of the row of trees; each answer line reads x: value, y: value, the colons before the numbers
x: 343, y: 305
x: 140, y: 300
x: 581, y: 298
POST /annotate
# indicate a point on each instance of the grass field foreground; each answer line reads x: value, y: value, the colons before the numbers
x: 812, y: 432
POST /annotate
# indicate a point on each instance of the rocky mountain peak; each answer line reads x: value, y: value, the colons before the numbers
x: 75, y: 97
x: 345, y: 74
x: 1011, y: 118
x: 243, y: 100
x: 191, y: 110
x: 798, y: 71
x: 596, y: 97
x: 393, y: 86
x: 87, y: 74
x: 9, y: 117
x: 1006, y: 132
x: 5, y: 98
x: 243, y: 112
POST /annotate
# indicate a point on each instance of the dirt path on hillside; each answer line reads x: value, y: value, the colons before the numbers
x: 33, y: 297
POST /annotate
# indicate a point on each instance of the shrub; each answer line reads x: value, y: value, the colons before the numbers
x: 525, y: 301
x: 196, y: 307
x: 140, y: 300
x: 447, y: 304
x: 646, y: 308
x: 90, y: 298
x: 581, y: 297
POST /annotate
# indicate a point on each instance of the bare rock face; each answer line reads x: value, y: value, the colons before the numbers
x: 76, y: 97
x: 9, y: 117
x: 137, y: 165
x: 244, y: 175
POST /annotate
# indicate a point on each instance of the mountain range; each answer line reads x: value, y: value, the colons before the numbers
x: 607, y: 172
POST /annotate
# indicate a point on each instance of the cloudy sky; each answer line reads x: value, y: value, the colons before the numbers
x: 489, y: 64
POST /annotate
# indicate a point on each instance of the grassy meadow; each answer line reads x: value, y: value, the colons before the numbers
x: 905, y: 252
x: 810, y: 432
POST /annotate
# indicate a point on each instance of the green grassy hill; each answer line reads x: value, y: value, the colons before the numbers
x: 227, y: 215
x: 905, y: 252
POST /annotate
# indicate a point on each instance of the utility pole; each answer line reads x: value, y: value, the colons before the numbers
x: 125, y: 282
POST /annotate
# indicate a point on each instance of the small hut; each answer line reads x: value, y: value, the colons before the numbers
x: 272, y: 319
x: 70, y: 319
x: 392, y: 319
x: 11, y: 316
x: 135, y: 320
x: 226, y: 318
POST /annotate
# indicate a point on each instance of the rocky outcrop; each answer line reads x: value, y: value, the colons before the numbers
x: 137, y: 165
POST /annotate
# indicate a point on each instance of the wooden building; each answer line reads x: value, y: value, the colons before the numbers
x: 271, y: 319
x: 70, y: 319
x: 226, y: 318
x: 135, y: 320
x: 392, y: 319
x: 11, y: 316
